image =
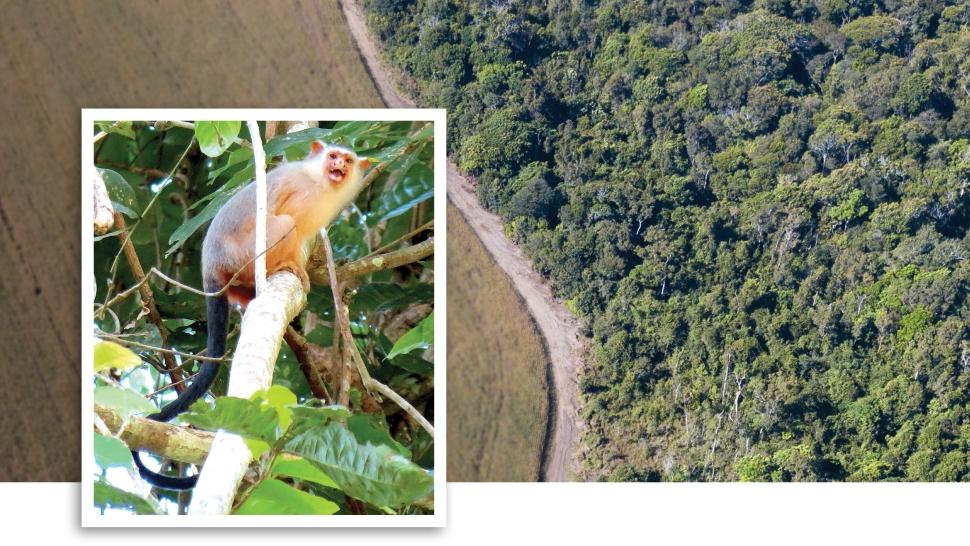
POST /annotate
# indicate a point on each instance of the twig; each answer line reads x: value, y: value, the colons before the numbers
x: 343, y: 396
x: 147, y: 297
x: 308, y: 363
x: 343, y: 320
x: 419, y: 229
x: 155, y: 271
x: 319, y: 273
x: 259, y: 164
x: 154, y: 199
x: 187, y: 356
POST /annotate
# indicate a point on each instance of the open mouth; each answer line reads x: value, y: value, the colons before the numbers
x: 336, y: 175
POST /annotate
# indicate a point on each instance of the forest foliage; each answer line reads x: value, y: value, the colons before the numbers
x: 759, y: 208
x: 313, y: 456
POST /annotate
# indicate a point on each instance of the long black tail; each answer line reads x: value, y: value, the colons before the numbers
x: 217, y: 316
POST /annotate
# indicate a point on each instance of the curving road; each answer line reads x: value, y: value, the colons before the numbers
x: 557, y: 325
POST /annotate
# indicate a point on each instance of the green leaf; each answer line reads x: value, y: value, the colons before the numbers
x: 273, y: 497
x: 109, y: 496
x: 301, y: 469
x: 416, y: 187
x: 373, y: 474
x: 235, y: 158
x: 279, y: 144
x: 236, y: 415
x: 419, y: 337
x: 122, y: 128
x: 280, y: 399
x: 215, y: 137
x: 186, y: 230
x: 108, y: 354
x: 413, y: 364
x: 382, y: 296
x: 110, y: 451
x: 182, y: 304
x: 123, y: 197
x: 372, y: 429
x: 347, y: 238
x: 306, y: 417
x: 123, y: 400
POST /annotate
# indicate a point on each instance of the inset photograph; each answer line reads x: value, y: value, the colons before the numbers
x: 265, y: 330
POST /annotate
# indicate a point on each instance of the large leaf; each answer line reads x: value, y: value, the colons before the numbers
x: 273, y: 497
x: 110, y: 451
x: 236, y: 415
x: 125, y: 402
x: 374, y: 474
x: 301, y: 469
x: 123, y: 197
x: 109, y: 496
x: 108, y: 354
x: 415, y: 187
x: 419, y: 337
x: 281, y: 143
x: 215, y: 137
x: 372, y: 429
x: 305, y: 417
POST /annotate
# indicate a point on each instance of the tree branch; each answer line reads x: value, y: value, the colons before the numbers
x: 262, y: 330
x: 317, y: 265
x: 162, y: 439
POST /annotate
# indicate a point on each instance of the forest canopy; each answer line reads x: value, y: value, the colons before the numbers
x: 760, y: 210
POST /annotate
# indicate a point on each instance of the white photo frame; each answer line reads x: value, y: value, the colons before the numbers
x: 90, y: 515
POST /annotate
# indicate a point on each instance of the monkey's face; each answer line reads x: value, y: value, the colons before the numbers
x: 338, y: 164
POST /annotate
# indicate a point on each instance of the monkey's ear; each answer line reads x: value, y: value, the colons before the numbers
x: 316, y: 147
x: 364, y: 163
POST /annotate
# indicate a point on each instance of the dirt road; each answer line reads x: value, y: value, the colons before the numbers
x: 558, y: 326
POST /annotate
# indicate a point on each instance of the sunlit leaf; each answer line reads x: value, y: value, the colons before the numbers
x: 123, y: 197
x: 108, y: 354
x: 215, y: 137
x: 280, y: 399
x: 122, y: 128
x: 237, y: 415
x: 303, y: 470
x: 419, y: 337
x: 273, y: 497
x: 109, y: 496
x: 110, y: 451
x: 124, y: 401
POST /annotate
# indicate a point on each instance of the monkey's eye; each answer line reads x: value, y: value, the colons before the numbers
x: 350, y: 161
x: 333, y: 155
